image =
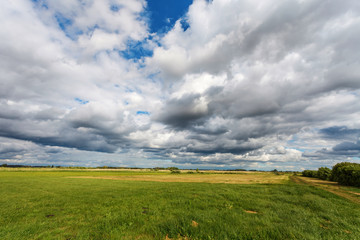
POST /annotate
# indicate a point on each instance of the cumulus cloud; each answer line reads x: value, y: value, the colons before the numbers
x: 281, y: 67
x: 237, y: 83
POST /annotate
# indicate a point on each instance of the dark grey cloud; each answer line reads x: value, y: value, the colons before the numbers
x: 14, y: 149
x: 66, y: 138
x: 241, y: 149
x: 347, y: 148
x: 203, y: 130
x: 340, y: 152
x: 10, y: 151
x: 49, y: 127
x: 245, y: 163
x: 180, y: 113
x: 340, y: 132
x: 346, y: 145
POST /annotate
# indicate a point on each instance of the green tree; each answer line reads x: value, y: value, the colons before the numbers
x: 309, y: 173
x: 324, y: 173
x: 346, y: 173
x: 337, y: 170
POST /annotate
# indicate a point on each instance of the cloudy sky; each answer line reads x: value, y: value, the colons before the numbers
x: 195, y: 84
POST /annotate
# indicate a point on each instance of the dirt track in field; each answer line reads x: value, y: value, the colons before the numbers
x: 332, y: 187
x: 201, y: 178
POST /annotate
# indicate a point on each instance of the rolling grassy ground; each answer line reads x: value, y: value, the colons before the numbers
x: 40, y: 204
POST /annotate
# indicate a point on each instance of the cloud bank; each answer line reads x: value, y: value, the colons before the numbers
x: 233, y: 84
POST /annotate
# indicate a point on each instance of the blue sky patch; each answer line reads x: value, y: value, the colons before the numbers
x: 129, y: 90
x: 81, y: 101
x: 184, y: 24
x: 293, y: 139
x: 164, y: 13
x: 65, y: 25
x: 62, y: 21
x: 41, y: 3
x: 115, y: 8
x: 142, y: 113
x: 136, y: 50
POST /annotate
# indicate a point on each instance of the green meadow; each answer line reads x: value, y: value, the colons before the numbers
x: 80, y: 204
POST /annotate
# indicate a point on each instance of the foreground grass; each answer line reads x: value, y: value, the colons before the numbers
x: 50, y: 205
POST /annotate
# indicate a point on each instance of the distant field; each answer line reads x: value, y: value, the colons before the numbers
x: 234, y: 178
x: 81, y: 204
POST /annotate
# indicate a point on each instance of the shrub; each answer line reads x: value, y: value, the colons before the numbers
x: 337, y: 169
x: 324, y: 173
x: 309, y: 173
x: 346, y: 173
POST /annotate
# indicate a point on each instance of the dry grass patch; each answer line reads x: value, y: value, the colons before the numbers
x: 355, y: 193
x: 203, y: 178
x: 194, y: 224
x: 249, y: 211
x: 332, y: 187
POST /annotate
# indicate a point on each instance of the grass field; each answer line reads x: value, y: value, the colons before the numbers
x: 79, y: 204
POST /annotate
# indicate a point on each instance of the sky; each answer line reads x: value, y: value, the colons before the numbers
x: 221, y: 84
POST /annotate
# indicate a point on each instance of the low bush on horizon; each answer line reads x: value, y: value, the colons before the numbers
x: 345, y: 173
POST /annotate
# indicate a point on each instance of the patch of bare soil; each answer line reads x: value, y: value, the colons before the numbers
x: 204, y: 178
x: 332, y: 187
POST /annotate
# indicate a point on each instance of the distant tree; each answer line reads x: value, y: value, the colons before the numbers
x: 173, y: 168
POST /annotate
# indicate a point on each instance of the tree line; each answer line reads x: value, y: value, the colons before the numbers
x: 345, y: 173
